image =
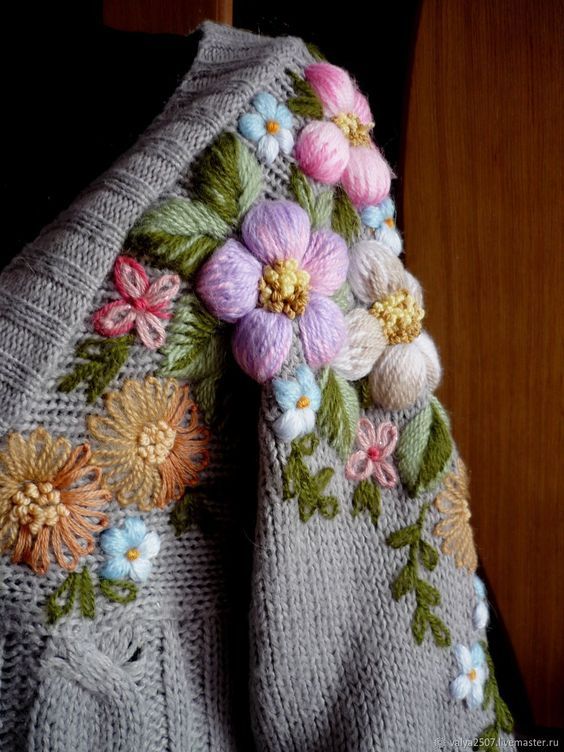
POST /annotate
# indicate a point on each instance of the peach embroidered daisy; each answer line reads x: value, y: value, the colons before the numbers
x: 454, y: 528
x: 50, y: 499
x: 151, y: 444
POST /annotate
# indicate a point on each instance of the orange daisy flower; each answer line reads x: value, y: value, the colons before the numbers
x: 151, y: 443
x: 454, y: 528
x: 50, y: 499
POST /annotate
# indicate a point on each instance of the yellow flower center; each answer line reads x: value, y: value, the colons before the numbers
x: 400, y: 316
x: 390, y: 222
x: 472, y: 674
x: 155, y: 442
x: 357, y: 132
x: 303, y: 402
x: 37, y: 505
x: 272, y: 127
x: 284, y: 288
x: 132, y: 554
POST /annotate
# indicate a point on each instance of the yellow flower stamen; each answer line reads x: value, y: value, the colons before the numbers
x: 357, y: 132
x: 155, y: 442
x: 472, y: 674
x: 400, y: 315
x: 37, y: 505
x: 303, y: 402
x: 132, y: 554
x: 272, y: 127
x: 284, y: 288
x: 390, y: 222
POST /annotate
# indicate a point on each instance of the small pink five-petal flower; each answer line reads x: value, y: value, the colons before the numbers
x: 376, y: 446
x: 143, y: 304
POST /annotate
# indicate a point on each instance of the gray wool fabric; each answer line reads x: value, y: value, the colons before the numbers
x: 333, y: 664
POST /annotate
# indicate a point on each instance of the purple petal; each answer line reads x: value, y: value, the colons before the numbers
x: 261, y: 343
x: 228, y: 282
x: 327, y: 261
x: 323, y: 330
x: 276, y: 230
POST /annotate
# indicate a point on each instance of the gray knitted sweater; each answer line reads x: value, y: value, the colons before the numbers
x: 249, y: 230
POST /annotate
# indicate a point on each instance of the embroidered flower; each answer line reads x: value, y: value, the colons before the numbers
x: 386, y: 340
x: 269, y: 127
x: 150, y: 442
x: 454, y: 528
x: 300, y: 399
x: 282, y: 271
x: 143, y: 304
x: 481, y: 612
x: 469, y: 685
x: 382, y: 219
x: 339, y: 148
x: 377, y: 445
x: 50, y: 500
x: 130, y: 550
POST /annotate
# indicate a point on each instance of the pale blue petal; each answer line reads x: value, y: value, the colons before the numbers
x: 266, y: 105
x: 390, y: 237
x: 478, y: 657
x: 476, y: 695
x: 140, y: 570
x: 252, y: 126
x: 287, y: 392
x: 480, y: 615
x: 463, y: 657
x: 116, y: 568
x: 135, y: 531
x: 114, y: 542
x: 388, y: 208
x: 479, y: 588
x: 285, y: 140
x: 150, y: 546
x: 283, y: 116
x: 460, y: 687
x: 268, y: 148
x: 371, y: 216
x: 309, y: 386
x: 289, y: 425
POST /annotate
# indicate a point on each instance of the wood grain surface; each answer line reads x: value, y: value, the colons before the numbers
x: 165, y: 16
x: 482, y: 218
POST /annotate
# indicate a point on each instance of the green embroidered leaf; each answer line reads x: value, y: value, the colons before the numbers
x: 306, y: 102
x: 363, y: 388
x: 339, y: 412
x: 428, y: 555
x: 427, y: 594
x: 504, y: 717
x: 322, y: 210
x: 419, y: 624
x: 424, y: 449
x: 343, y: 298
x: 318, y: 208
x: 178, y: 234
x: 315, y: 52
x: 439, y: 630
x: 104, y: 359
x: 86, y: 595
x: 228, y: 179
x: 404, y: 582
x: 367, y: 498
x: 404, y: 537
x: 487, y: 739
x: 118, y: 591
x: 61, y: 602
x: 192, y: 513
x: 307, y: 488
x: 345, y: 219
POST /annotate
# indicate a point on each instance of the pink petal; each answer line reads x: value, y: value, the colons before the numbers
x: 359, y: 466
x: 228, y: 282
x: 385, y: 474
x: 362, y: 108
x: 261, y: 343
x: 386, y: 438
x: 161, y: 293
x: 150, y: 329
x: 322, y: 152
x: 333, y: 86
x: 131, y: 279
x: 327, y: 261
x: 276, y: 230
x: 365, y: 434
x: 367, y: 176
x: 323, y: 330
x: 114, y: 319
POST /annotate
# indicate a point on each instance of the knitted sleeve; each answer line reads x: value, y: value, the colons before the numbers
x: 240, y: 266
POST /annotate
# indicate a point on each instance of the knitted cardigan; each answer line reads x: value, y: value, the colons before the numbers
x: 248, y: 236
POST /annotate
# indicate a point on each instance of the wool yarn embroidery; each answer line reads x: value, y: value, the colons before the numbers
x: 130, y: 550
x: 454, y: 528
x: 299, y: 399
x: 469, y: 684
x: 480, y: 612
x: 270, y: 127
x: 143, y: 305
x: 503, y: 720
x: 339, y: 148
x: 308, y: 489
x: 150, y: 442
x: 382, y: 220
x: 50, y: 501
x: 377, y: 444
x: 281, y: 272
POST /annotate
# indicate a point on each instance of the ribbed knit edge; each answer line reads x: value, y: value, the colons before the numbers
x: 48, y: 289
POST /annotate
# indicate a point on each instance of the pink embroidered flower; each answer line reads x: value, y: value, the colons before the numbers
x: 143, y: 304
x: 283, y: 272
x: 339, y: 148
x: 376, y: 447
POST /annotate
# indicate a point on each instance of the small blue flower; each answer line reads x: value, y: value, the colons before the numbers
x: 269, y: 127
x: 469, y: 684
x: 129, y: 550
x: 299, y: 399
x: 481, y: 612
x: 382, y: 219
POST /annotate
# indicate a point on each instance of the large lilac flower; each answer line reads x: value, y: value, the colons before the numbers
x: 282, y: 271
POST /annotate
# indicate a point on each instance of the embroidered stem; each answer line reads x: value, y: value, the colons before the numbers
x: 408, y: 580
x: 104, y: 360
x: 367, y: 498
x: 308, y: 488
x: 110, y: 589
x: 61, y: 602
x: 503, y: 721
